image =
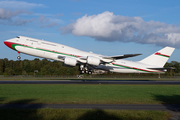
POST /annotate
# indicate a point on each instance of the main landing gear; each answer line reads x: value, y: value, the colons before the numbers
x: 18, y: 57
x: 85, y: 69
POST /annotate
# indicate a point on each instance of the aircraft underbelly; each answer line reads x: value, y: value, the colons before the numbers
x: 113, y: 68
x: 124, y: 70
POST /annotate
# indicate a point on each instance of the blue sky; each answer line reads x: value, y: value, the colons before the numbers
x: 107, y: 27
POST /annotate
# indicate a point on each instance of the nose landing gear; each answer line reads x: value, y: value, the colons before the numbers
x: 18, y: 57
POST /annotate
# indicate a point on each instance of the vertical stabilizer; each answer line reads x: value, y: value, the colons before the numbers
x: 159, y: 58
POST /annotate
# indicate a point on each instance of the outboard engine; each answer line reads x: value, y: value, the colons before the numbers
x: 70, y: 61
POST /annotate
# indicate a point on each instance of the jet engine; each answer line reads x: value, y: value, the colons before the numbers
x: 93, y: 60
x: 70, y: 61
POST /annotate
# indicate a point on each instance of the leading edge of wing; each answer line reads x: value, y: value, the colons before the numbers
x: 105, y: 58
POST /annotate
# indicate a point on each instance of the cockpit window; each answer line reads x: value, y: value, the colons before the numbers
x: 17, y: 37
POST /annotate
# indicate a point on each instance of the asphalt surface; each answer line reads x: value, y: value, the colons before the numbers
x: 95, y: 106
x: 149, y: 82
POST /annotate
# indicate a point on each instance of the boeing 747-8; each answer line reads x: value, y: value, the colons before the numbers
x: 88, y: 61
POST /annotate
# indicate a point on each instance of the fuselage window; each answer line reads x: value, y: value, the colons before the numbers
x: 48, y: 44
x: 33, y: 40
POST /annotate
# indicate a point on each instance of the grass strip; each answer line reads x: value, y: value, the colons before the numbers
x: 89, y: 94
x: 80, y: 114
x: 73, y: 78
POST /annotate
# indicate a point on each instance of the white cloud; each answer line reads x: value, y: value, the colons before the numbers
x: 9, y: 17
x: 7, y: 14
x: 17, y: 13
x: 20, y: 21
x: 109, y: 27
x: 18, y: 5
x: 49, y: 22
x: 15, y: 22
x: 10, y: 12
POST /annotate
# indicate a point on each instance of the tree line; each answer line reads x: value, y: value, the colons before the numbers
x: 41, y: 67
x: 50, y: 67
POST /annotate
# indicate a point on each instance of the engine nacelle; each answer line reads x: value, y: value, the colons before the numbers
x: 70, y: 61
x: 93, y: 60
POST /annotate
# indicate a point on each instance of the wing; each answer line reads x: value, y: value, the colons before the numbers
x: 103, y: 59
x: 120, y: 56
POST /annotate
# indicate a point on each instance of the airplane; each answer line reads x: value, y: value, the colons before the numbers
x: 88, y: 61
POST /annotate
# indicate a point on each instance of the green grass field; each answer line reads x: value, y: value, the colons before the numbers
x: 89, y: 94
x: 81, y: 114
x: 86, y: 94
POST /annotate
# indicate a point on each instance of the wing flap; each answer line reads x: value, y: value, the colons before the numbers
x: 120, y: 56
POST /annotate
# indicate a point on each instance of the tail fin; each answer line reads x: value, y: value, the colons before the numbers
x: 159, y: 58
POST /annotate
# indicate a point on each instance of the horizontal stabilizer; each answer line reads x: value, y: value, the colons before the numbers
x: 163, y: 68
x: 120, y: 56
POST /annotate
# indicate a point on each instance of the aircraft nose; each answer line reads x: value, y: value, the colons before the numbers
x: 9, y: 44
x: 6, y: 43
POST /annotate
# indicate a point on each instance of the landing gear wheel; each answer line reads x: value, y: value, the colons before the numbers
x: 84, y: 68
x: 18, y: 57
x: 82, y: 72
x: 89, y: 72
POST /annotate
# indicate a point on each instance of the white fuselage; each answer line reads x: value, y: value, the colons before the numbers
x: 50, y: 50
